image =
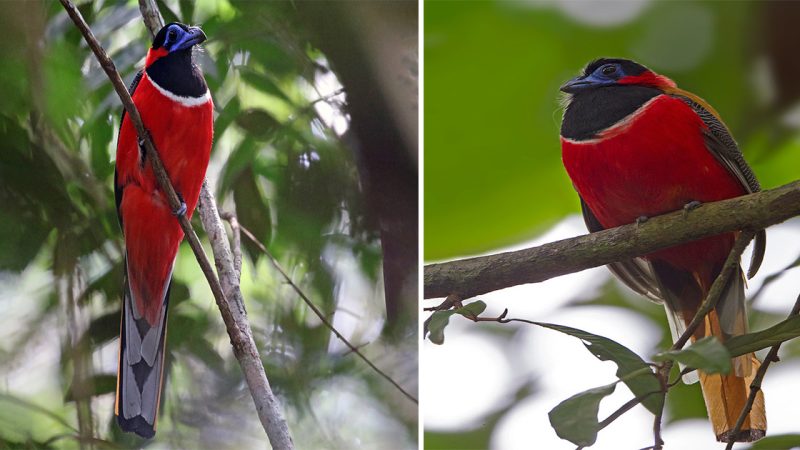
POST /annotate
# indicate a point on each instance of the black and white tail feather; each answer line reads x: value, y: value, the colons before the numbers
x: 141, y: 365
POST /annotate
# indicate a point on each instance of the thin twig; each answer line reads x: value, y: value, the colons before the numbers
x: 239, y: 330
x: 321, y: 315
x: 623, y: 409
x: 658, y: 442
x: 717, y: 288
x: 236, y: 246
x: 662, y: 374
x: 755, y: 386
x: 452, y: 301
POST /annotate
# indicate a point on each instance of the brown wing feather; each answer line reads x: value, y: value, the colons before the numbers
x: 636, y: 273
x: 722, y: 145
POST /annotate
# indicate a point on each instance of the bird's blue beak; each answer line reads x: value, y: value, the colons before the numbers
x: 584, y: 82
x: 192, y: 38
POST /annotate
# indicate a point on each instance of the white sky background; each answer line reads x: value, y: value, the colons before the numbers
x: 558, y: 366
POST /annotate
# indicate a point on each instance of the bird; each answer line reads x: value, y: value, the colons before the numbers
x: 175, y: 104
x: 636, y: 146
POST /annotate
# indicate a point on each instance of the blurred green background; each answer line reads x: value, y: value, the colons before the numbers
x: 289, y: 158
x: 493, y: 179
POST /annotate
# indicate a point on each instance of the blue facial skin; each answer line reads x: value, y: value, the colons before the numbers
x: 605, y: 75
x: 179, y: 39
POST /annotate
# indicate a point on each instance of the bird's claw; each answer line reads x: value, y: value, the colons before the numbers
x: 691, y: 206
x: 181, y: 211
x: 641, y: 220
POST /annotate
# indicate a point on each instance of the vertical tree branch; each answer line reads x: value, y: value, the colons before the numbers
x: 235, y: 319
x: 245, y: 350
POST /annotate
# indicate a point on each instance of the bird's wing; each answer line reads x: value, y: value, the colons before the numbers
x: 722, y: 145
x: 636, y: 273
x: 117, y: 188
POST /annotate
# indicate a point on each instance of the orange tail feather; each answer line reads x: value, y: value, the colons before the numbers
x: 726, y: 395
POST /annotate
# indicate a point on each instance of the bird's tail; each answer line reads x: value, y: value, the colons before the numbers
x: 724, y: 395
x: 141, y: 366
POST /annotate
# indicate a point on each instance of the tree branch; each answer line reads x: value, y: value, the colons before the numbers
x: 244, y: 349
x: 236, y: 245
x: 474, y: 276
x: 234, y: 318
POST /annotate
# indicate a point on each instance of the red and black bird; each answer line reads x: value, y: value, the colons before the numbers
x: 635, y: 146
x: 173, y: 99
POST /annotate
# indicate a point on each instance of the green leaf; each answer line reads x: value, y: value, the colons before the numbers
x: 436, y: 325
x: 167, y: 12
x: 779, y: 442
x: 575, y: 419
x: 707, y: 354
x: 628, y: 363
x: 471, y: 310
x: 101, y: 135
x: 747, y: 343
x: 252, y: 210
x: 226, y: 117
x: 187, y: 10
x: 257, y: 123
x: 263, y: 83
x: 96, y: 385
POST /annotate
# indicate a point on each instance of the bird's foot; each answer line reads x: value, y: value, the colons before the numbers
x: 691, y: 206
x: 641, y: 220
x: 181, y: 211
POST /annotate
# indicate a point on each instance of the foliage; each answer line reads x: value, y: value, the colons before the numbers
x: 707, y: 354
x: 575, y: 419
x: 280, y: 161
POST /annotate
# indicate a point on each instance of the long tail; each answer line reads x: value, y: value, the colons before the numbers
x: 141, y: 367
x: 724, y: 395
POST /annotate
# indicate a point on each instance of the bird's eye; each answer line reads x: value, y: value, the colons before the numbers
x: 171, y: 35
x: 609, y: 70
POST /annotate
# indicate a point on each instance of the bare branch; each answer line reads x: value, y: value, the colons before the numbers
x: 151, y: 16
x: 321, y: 316
x: 475, y: 276
x: 244, y: 349
x: 755, y: 386
x: 234, y: 318
x: 236, y: 245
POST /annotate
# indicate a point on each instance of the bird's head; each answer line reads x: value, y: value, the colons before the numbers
x: 615, y: 72
x: 174, y: 39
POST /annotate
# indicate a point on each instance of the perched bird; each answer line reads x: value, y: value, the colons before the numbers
x: 173, y: 99
x: 635, y: 146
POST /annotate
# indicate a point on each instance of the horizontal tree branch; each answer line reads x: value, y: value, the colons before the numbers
x: 479, y: 275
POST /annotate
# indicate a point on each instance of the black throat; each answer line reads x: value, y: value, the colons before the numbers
x: 594, y: 110
x: 177, y: 73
